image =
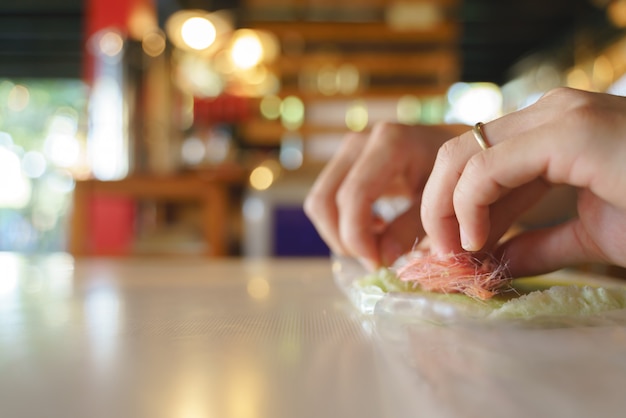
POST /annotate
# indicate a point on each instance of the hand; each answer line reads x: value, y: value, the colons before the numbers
x: 392, y: 159
x: 568, y: 137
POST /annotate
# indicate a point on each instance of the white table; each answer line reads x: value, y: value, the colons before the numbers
x: 192, y: 338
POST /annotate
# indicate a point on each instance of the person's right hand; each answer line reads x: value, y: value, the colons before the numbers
x: 392, y: 159
x: 569, y: 137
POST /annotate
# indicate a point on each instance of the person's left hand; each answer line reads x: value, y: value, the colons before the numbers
x: 391, y: 159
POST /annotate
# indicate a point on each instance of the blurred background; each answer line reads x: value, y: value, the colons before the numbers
x: 132, y: 127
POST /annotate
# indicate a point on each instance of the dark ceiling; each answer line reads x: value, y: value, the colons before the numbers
x: 40, y: 38
x: 497, y: 33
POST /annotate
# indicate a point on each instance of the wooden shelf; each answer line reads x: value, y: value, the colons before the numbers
x: 363, y: 32
x: 210, y: 188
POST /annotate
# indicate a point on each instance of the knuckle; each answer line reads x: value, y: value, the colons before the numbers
x: 447, y: 151
x: 315, y: 204
x: 476, y: 164
x: 385, y: 131
x: 581, y: 112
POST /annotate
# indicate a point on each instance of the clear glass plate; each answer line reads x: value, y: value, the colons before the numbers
x: 441, y: 309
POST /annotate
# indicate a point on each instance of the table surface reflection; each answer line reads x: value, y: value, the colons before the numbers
x: 235, y: 338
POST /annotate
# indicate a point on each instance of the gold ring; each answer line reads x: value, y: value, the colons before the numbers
x: 477, y: 130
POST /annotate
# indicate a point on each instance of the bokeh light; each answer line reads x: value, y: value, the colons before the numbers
x: 154, y: 43
x: 291, y: 151
x: 577, y: 78
x: 111, y: 43
x: 198, y: 33
x: 327, y: 80
x: 270, y: 107
x: 348, y: 79
x: 292, y: 112
x: 193, y: 151
x: 19, y: 97
x: 603, y: 72
x: 15, y: 189
x: 472, y: 102
x: 409, y: 110
x: 246, y: 50
x: 261, y: 178
x: 357, y: 116
x: 265, y: 174
x: 35, y: 145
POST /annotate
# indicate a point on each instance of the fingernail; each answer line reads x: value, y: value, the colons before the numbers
x: 465, y: 241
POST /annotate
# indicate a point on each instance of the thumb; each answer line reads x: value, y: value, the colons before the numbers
x: 545, y: 250
x: 400, y: 236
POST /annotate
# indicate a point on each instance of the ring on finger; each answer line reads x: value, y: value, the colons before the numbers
x: 477, y: 130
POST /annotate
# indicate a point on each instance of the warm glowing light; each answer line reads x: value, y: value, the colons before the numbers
x: 409, y: 110
x: 578, y: 79
x: 357, y: 117
x: 258, y: 288
x: 111, y: 43
x: 19, y: 97
x: 250, y: 48
x: 270, y: 107
x: 616, y: 11
x: 292, y: 112
x: 246, y: 51
x: 603, y: 72
x: 261, y: 178
x: 198, y: 33
x: 153, y: 43
x: 142, y: 20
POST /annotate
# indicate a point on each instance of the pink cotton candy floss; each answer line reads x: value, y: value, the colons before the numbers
x: 480, y: 276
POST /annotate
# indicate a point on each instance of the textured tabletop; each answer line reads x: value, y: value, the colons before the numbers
x: 180, y: 338
x: 200, y: 338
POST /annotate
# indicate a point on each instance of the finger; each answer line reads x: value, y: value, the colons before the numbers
x: 320, y: 204
x: 438, y: 212
x: 400, y: 236
x: 437, y: 209
x: 382, y: 161
x: 497, y: 218
x: 505, y: 212
x: 545, y: 250
x: 490, y: 175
